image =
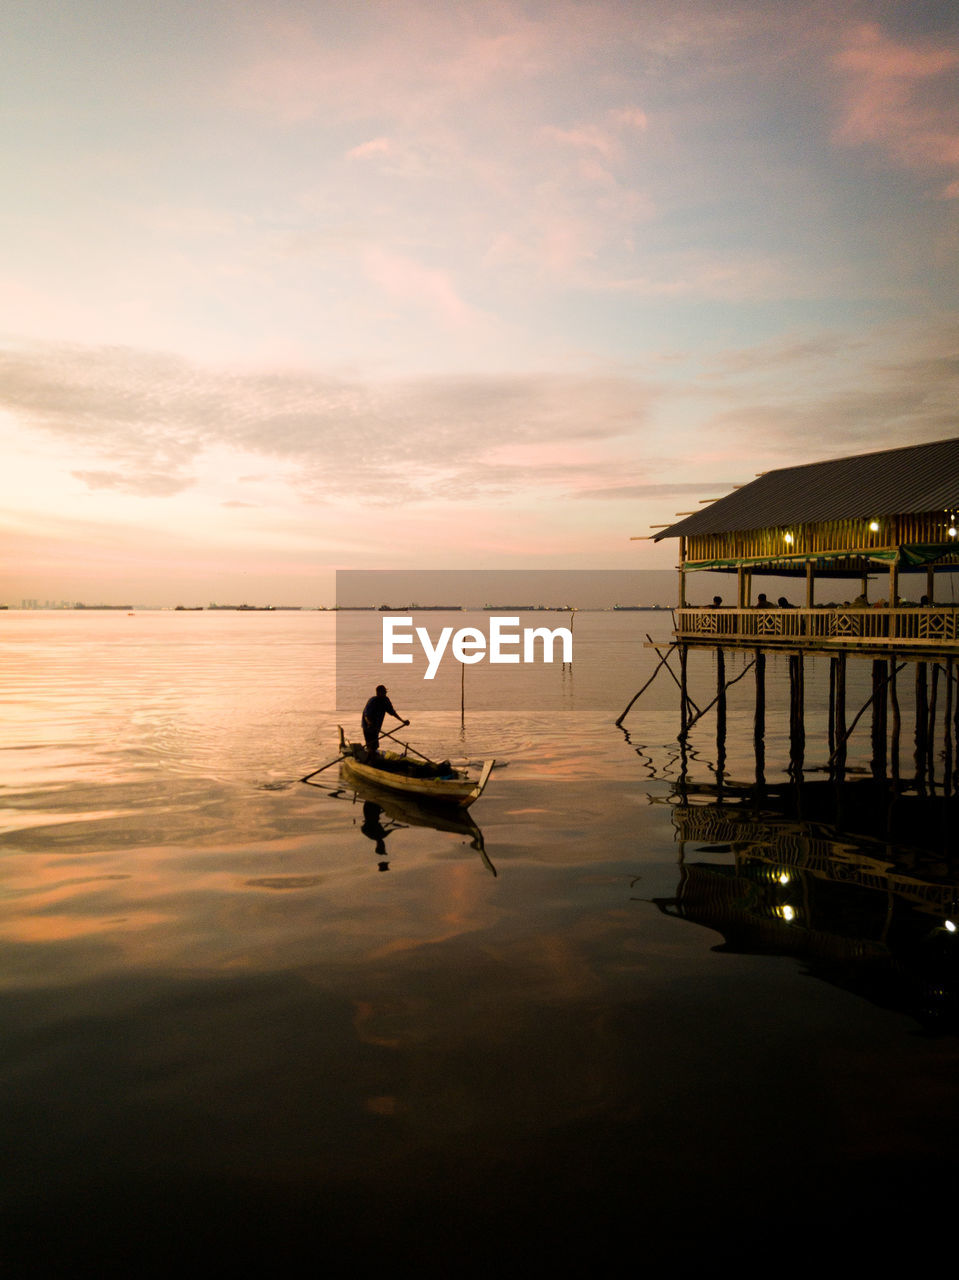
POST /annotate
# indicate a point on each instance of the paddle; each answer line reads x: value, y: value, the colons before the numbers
x: 407, y: 746
x: 336, y: 760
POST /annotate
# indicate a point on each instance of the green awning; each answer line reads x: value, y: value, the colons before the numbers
x: 911, y: 555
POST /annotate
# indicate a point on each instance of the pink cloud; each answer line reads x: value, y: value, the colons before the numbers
x: 900, y: 98
x: 410, y: 281
x: 587, y: 137
x: 375, y: 146
x: 631, y: 118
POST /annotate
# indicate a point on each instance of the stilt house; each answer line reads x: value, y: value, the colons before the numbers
x: 875, y: 515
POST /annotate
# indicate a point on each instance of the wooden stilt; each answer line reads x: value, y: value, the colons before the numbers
x: 840, y: 727
x: 931, y: 733
x: 896, y: 722
x: 683, y: 694
x: 759, y: 726
x: 797, y: 722
x: 922, y: 724
x: 947, y: 730
x: 879, y: 682
x: 831, y: 721
x: 720, y: 715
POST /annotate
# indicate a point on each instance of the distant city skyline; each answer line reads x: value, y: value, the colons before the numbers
x: 296, y: 288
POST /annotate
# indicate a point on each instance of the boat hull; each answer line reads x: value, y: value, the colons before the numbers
x: 454, y: 791
x: 458, y: 791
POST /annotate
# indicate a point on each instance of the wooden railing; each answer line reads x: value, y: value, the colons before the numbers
x: 934, y: 628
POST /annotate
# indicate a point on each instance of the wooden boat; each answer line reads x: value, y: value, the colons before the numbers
x: 438, y: 784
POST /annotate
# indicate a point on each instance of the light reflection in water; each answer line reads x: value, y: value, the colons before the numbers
x: 219, y: 1012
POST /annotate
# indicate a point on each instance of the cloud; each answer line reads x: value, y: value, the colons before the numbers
x: 143, y: 484
x: 147, y: 423
x: 375, y: 146
x: 900, y: 97
x: 732, y: 276
x: 639, y: 491
x: 880, y: 401
x: 409, y: 281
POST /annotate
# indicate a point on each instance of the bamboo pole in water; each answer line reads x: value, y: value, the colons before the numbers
x: 879, y: 683
x: 831, y: 728
x: 896, y: 721
x: 759, y: 726
x: 840, y: 727
x: 931, y: 734
x: 797, y: 720
x: 922, y: 721
x: 720, y: 715
x: 947, y: 730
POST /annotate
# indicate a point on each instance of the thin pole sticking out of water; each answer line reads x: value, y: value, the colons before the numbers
x: 879, y: 682
x: 840, y: 726
x: 922, y: 722
x: 931, y: 735
x: 947, y: 735
x: 896, y: 721
x: 759, y: 725
x: 797, y: 725
x: 720, y: 717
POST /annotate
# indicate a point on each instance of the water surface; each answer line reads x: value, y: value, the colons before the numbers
x: 246, y: 1017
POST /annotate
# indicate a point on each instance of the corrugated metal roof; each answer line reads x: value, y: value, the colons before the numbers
x: 921, y: 477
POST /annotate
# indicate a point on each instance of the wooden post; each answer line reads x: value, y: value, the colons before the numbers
x: 896, y: 722
x: 931, y: 734
x: 683, y: 696
x: 810, y: 586
x: 879, y: 719
x: 922, y: 723
x: 797, y: 724
x: 741, y: 588
x: 893, y: 589
x: 831, y: 719
x: 759, y: 725
x: 956, y: 737
x: 947, y: 734
x: 931, y: 585
x: 682, y: 573
x: 683, y: 723
x: 720, y: 716
x: 840, y: 730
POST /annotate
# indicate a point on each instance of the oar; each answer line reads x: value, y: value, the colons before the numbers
x: 321, y: 768
x: 385, y: 734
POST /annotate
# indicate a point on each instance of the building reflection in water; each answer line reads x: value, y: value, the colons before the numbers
x: 858, y: 880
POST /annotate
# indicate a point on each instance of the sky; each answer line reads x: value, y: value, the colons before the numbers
x: 303, y: 286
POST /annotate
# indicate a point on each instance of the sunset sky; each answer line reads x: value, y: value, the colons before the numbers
x: 293, y: 287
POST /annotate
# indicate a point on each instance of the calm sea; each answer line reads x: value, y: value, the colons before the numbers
x: 636, y: 1005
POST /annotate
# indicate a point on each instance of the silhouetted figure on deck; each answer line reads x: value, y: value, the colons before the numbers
x: 378, y: 707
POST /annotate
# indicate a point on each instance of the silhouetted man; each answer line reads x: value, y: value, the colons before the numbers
x: 378, y: 707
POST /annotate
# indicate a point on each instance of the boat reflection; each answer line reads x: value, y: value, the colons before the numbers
x: 386, y: 811
x: 872, y: 915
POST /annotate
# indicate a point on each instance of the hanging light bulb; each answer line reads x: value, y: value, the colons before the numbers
x: 789, y: 538
x: 873, y: 526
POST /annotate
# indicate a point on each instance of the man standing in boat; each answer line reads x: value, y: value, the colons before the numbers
x: 378, y: 707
